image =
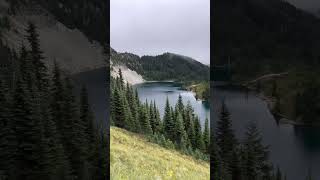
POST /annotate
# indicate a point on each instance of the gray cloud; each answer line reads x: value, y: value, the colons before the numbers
x: 152, y: 27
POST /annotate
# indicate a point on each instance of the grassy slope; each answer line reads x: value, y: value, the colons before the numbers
x: 133, y: 157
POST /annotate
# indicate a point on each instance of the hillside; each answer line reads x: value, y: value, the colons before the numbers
x: 264, y: 36
x: 66, y: 34
x: 167, y: 66
x: 131, y: 156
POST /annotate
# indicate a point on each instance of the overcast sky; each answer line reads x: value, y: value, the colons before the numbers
x: 152, y: 27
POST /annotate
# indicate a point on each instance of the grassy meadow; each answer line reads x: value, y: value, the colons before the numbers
x: 133, y: 157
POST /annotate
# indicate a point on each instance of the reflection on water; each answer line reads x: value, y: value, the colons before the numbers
x: 159, y: 91
x: 294, y: 149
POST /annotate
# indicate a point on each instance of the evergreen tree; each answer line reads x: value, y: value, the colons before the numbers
x: 225, y: 136
x: 215, y: 161
x: 74, y: 133
x: 181, y: 135
x: 235, y: 166
x: 39, y: 69
x: 57, y: 97
x: 8, y: 142
x: 180, y: 106
x: 121, y: 82
x: 28, y: 131
x: 119, y: 116
x: 128, y: 118
x: 206, y: 135
x: 87, y: 120
x: 198, y: 134
x: 191, y: 134
x: 157, y: 120
x: 145, y: 120
x: 152, y: 116
x: 188, y: 121
x: 256, y: 159
x: 168, y: 123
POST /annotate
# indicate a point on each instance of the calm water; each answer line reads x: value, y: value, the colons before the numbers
x: 293, y: 149
x: 159, y: 91
x: 96, y: 83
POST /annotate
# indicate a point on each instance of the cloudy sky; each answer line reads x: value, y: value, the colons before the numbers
x: 152, y: 27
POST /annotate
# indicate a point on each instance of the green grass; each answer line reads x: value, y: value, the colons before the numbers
x: 133, y: 157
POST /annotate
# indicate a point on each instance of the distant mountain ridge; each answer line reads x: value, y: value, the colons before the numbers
x: 264, y: 36
x: 167, y: 66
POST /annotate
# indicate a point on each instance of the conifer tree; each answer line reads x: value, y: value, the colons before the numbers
x: 121, y: 82
x: 235, y: 165
x: 152, y: 116
x: 191, y: 133
x: 168, y: 124
x: 86, y: 115
x: 180, y: 106
x: 181, y: 135
x: 225, y: 136
x: 8, y: 141
x: 40, y: 69
x: 28, y: 131
x: 87, y: 120
x: 215, y: 161
x: 256, y: 161
x: 157, y: 120
x: 73, y: 132
x: 119, y: 116
x: 189, y: 125
x: 128, y: 118
x: 145, y: 120
x: 57, y: 97
x: 198, y: 134
x: 206, y: 135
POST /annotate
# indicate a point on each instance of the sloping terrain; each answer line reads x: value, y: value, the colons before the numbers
x: 264, y: 36
x: 133, y: 157
x: 167, y: 66
x: 60, y: 41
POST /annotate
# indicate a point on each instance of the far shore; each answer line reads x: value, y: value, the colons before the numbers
x: 270, y: 101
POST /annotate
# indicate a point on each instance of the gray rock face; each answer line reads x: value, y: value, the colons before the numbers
x: 69, y: 47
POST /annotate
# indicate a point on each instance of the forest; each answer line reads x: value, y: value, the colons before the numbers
x: 47, y: 131
x: 241, y: 159
x: 267, y: 37
x: 179, y: 129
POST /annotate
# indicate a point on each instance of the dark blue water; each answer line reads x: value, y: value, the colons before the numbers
x: 159, y: 91
x: 294, y: 149
x: 96, y: 84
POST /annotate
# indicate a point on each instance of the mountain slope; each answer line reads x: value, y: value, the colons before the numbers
x: 264, y: 36
x: 167, y: 66
x: 131, y: 156
x: 61, y: 39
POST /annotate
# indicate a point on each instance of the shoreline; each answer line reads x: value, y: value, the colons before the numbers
x: 280, y: 118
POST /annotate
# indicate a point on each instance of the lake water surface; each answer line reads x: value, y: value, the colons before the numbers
x: 159, y: 91
x: 96, y: 82
x: 294, y: 149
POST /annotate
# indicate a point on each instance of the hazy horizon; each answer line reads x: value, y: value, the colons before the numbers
x: 149, y: 27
